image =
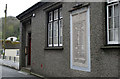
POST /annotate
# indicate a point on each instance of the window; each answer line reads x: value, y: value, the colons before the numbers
x: 112, y: 22
x: 55, y: 26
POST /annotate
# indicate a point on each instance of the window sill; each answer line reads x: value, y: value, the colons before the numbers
x: 53, y: 48
x: 110, y: 47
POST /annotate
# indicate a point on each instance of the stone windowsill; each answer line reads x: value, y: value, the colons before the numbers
x: 53, y: 48
x: 110, y: 47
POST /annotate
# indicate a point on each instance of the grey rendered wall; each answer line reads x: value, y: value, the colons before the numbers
x: 22, y: 45
x: 104, y: 61
x: 56, y: 63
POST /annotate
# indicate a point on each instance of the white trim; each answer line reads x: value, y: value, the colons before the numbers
x: 48, y: 34
x: 71, y: 41
x: 88, y: 33
x: 112, y: 42
x: 107, y: 26
x: 55, y: 44
x: 112, y: 1
x: 113, y: 25
x: 50, y: 45
x: 57, y: 15
x: 88, y: 69
x: 61, y: 44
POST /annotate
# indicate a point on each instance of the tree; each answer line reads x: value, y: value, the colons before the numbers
x: 12, y: 28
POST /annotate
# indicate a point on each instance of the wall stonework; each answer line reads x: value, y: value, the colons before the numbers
x: 56, y: 63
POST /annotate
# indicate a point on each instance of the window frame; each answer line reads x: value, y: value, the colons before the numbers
x: 58, y: 26
x: 112, y: 3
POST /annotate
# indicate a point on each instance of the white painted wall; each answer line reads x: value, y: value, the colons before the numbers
x: 14, y: 38
x: 11, y: 52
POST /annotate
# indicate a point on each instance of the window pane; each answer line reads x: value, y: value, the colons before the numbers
x: 110, y: 23
x: 50, y: 29
x: 60, y: 12
x: 56, y: 14
x: 50, y: 16
x: 110, y: 10
x: 56, y: 25
x: 116, y: 10
x: 50, y: 41
x: 61, y: 40
x: 111, y: 35
x: 55, y: 41
x: 61, y: 26
x: 116, y: 35
x: 50, y: 26
x: 56, y: 32
x: 60, y: 31
x: 116, y: 22
x: 50, y: 33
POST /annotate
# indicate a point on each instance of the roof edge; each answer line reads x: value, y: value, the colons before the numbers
x: 29, y: 10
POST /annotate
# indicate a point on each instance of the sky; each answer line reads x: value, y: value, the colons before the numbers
x: 15, y: 7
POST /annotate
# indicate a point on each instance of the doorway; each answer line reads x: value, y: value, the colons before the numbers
x: 29, y: 49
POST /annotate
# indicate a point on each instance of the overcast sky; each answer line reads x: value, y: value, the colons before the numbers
x: 15, y: 7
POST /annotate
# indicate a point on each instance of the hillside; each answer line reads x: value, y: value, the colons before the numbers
x: 0, y: 28
x: 12, y: 28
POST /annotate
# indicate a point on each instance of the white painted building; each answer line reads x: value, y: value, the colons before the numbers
x: 12, y: 38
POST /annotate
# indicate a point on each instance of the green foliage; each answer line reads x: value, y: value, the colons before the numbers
x: 12, y: 28
x: 1, y: 51
x: 0, y: 35
x: 18, y: 38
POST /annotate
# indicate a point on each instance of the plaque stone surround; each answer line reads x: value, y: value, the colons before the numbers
x: 80, y: 54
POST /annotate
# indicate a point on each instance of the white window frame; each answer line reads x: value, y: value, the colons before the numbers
x: 52, y: 21
x: 108, y: 1
x: 108, y: 35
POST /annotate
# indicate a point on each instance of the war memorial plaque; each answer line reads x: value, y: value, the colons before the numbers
x: 80, y: 42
